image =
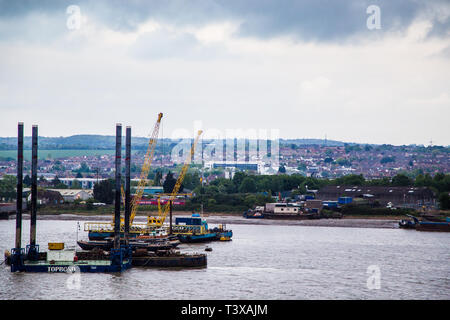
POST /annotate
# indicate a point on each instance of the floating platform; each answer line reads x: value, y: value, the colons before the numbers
x: 68, y: 261
x: 81, y: 266
x: 170, y: 260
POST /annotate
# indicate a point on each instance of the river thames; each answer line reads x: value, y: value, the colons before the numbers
x: 262, y: 262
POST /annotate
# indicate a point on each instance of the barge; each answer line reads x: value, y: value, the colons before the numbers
x: 56, y: 261
x: 434, y: 226
x: 169, y: 259
x: 309, y: 209
x: 424, y: 225
x: 287, y: 211
x: 195, y: 229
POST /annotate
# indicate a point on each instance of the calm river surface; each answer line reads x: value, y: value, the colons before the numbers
x: 262, y: 262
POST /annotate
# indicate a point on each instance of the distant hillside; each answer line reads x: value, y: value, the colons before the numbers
x: 322, y: 142
x: 76, y: 142
x: 99, y: 142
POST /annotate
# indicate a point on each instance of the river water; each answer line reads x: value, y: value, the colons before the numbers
x: 262, y: 262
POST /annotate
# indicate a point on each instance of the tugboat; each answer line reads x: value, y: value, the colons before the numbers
x: 408, y: 224
x: 257, y: 213
x: 195, y: 229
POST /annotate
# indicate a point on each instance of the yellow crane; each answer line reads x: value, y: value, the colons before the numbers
x: 145, y: 169
x: 158, y: 221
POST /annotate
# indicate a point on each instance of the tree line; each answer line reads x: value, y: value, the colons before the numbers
x: 246, y: 190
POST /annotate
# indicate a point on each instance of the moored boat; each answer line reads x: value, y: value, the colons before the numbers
x: 425, y: 225
x: 434, y: 226
x: 195, y: 229
x: 169, y: 259
x: 408, y: 224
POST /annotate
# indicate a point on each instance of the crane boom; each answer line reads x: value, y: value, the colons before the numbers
x: 145, y: 168
x: 163, y: 213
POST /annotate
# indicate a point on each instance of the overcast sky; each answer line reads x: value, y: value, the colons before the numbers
x: 308, y: 68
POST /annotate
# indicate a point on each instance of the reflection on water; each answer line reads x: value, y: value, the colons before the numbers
x: 262, y: 262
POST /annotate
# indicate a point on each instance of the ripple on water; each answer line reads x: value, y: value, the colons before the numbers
x: 262, y: 262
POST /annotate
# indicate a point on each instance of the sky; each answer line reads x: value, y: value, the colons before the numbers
x: 360, y: 71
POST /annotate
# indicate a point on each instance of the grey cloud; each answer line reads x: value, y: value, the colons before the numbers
x: 312, y: 20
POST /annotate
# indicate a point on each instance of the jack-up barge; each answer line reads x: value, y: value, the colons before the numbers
x: 119, y: 257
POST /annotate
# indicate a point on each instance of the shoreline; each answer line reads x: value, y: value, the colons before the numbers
x: 383, y: 222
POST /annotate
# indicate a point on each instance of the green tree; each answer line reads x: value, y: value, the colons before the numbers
x: 56, y: 183
x: 250, y: 200
x: 238, y: 177
x: 247, y: 186
x: 104, y: 191
x: 423, y: 180
x: 84, y: 167
x: 351, y: 179
x: 343, y: 162
x: 387, y: 160
x: 8, y: 187
x: 444, y: 201
x: 157, y: 179
x: 90, y: 204
x: 169, y: 183
x: 401, y: 180
x: 27, y: 181
x: 191, y: 180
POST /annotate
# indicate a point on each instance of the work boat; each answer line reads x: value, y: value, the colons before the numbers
x: 195, y: 229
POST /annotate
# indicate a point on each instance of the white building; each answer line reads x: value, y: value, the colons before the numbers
x: 70, y: 195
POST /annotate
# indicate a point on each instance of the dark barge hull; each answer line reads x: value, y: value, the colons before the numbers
x: 5, y: 215
x: 196, y: 238
x: 185, y: 261
x: 445, y: 227
x: 107, y: 245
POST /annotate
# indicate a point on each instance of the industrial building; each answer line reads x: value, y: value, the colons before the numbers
x: 412, y: 197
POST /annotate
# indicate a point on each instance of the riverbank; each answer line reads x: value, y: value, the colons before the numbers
x: 390, y: 222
